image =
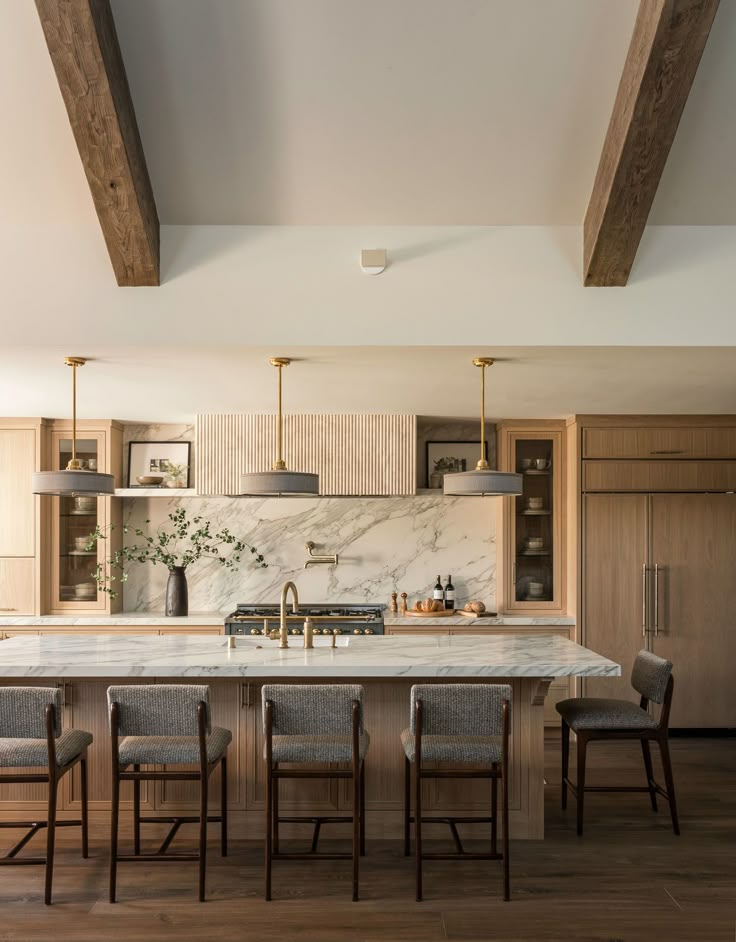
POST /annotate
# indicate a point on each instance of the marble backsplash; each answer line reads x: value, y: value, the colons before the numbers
x: 384, y: 544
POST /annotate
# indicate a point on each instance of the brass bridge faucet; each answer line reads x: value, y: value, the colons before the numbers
x: 316, y: 560
x: 283, y: 630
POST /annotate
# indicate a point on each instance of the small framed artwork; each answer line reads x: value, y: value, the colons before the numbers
x: 159, y: 464
x: 448, y: 457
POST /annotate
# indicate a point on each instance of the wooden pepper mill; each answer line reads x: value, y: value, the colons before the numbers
x: 402, y: 606
x: 394, y: 603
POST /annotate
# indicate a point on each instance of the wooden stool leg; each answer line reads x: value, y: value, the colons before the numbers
x: 356, y: 826
x: 115, y: 812
x: 275, y: 812
x: 203, y: 800
x: 505, y: 835
x: 136, y: 813
x: 650, y: 773
x: 269, y: 830
x: 223, y: 806
x: 407, y: 806
x: 85, y: 807
x: 494, y: 811
x: 362, y: 809
x: 664, y: 749
x: 418, y: 829
x: 582, y: 745
x: 565, y: 761
x: 50, y: 838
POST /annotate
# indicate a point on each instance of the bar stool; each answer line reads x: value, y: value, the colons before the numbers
x: 597, y: 718
x: 308, y: 725
x: 165, y: 724
x: 459, y: 724
x: 31, y: 737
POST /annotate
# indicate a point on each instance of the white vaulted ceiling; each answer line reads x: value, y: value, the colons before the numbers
x: 488, y: 112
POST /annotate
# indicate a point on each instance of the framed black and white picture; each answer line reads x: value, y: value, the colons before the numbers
x: 447, y: 457
x: 159, y: 464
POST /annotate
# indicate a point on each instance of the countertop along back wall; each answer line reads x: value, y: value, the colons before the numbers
x: 384, y: 544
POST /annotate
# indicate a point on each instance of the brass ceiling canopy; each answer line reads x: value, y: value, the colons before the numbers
x: 484, y: 481
x: 279, y: 481
x: 74, y: 479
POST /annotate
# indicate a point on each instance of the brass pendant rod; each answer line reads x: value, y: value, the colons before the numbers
x: 74, y: 414
x: 482, y: 362
x: 280, y: 464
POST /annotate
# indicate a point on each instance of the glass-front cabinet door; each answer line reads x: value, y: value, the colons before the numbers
x: 531, y: 570
x: 73, y: 520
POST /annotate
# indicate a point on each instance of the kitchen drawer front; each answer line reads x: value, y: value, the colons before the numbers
x: 660, y: 443
x: 17, y: 578
x: 659, y: 476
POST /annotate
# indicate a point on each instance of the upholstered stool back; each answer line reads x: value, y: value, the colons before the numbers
x: 23, y: 711
x: 159, y: 709
x: 460, y: 709
x: 651, y: 675
x: 313, y: 709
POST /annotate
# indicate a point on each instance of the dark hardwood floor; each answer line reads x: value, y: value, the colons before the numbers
x: 627, y: 879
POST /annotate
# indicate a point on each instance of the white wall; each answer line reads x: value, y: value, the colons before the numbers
x: 303, y: 285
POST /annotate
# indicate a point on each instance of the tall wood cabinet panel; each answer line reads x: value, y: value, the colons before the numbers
x: 18, y: 457
x: 615, y: 553
x: 693, y: 539
x: 17, y: 585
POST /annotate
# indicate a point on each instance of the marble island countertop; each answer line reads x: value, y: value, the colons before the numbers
x: 35, y: 656
x: 138, y: 619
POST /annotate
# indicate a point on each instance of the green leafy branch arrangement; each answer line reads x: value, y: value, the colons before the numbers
x: 187, y: 540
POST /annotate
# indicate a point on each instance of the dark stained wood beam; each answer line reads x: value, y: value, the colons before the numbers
x: 668, y: 41
x: 84, y: 49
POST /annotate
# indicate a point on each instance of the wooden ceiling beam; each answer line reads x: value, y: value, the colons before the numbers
x: 666, y: 46
x: 84, y: 48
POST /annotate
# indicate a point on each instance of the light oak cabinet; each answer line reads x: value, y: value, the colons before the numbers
x: 531, y: 565
x: 17, y: 585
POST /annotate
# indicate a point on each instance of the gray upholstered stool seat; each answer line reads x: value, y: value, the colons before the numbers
x: 171, y: 750
x: 307, y: 749
x: 27, y: 753
x: 600, y: 713
x: 478, y: 750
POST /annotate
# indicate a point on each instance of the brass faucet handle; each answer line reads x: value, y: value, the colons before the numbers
x: 333, y: 639
x: 308, y: 633
x: 274, y: 634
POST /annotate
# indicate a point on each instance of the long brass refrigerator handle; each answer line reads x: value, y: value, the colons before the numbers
x: 644, y: 600
x: 656, y: 600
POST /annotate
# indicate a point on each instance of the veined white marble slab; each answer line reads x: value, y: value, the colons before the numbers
x: 379, y: 657
x: 522, y: 621
x: 131, y: 619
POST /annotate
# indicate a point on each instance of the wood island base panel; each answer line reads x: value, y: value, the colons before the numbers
x: 386, y: 666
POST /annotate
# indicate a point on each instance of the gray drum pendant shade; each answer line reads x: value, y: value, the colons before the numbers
x: 279, y: 481
x: 73, y: 480
x: 484, y: 481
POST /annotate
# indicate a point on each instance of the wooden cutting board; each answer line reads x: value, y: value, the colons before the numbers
x: 442, y: 613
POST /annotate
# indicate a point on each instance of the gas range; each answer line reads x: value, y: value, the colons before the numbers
x: 328, y: 619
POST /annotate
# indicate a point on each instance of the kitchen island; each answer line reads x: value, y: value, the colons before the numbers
x: 387, y: 666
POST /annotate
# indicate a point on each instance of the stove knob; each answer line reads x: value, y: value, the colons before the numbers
x: 369, y: 631
x: 253, y: 631
x: 295, y: 631
x: 357, y: 631
x: 317, y: 631
x: 337, y: 631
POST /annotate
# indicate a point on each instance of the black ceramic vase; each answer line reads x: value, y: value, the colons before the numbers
x: 177, y: 593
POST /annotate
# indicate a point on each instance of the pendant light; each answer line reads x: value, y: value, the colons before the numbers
x: 279, y: 481
x: 484, y: 481
x: 74, y: 479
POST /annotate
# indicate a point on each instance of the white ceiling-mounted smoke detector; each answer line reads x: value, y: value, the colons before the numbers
x: 372, y: 261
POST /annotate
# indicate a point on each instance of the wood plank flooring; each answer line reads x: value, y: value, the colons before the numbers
x: 627, y: 879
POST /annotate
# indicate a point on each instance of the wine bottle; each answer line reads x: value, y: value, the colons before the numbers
x: 439, y: 593
x: 449, y: 594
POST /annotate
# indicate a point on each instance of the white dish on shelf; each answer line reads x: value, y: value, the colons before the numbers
x: 534, y: 553
x: 536, y: 513
x: 534, y: 471
x: 81, y: 553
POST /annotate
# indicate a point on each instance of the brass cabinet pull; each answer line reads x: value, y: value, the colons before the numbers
x: 246, y: 699
x: 644, y: 600
x: 656, y: 600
